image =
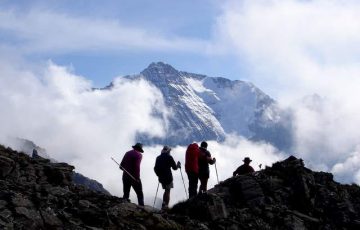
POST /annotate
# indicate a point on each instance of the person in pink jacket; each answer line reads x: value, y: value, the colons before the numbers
x: 130, y: 165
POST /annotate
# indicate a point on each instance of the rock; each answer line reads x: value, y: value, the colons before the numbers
x: 6, y: 166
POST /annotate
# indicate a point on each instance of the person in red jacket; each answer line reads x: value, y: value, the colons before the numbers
x: 130, y: 164
x: 192, y: 167
x: 245, y: 168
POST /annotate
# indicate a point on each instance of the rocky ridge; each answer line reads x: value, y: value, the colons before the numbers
x: 39, y: 194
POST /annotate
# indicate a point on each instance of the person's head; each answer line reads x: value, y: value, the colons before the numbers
x: 204, y: 145
x: 247, y: 160
x: 138, y: 147
x: 166, y: 149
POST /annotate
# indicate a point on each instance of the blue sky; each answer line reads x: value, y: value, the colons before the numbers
x: 270, y: 43
x: 187, y: 20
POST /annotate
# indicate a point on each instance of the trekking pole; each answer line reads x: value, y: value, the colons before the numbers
x: 216, y: 173
x: 156, y: 194
x: 124, y: 169
x: 184, y: 184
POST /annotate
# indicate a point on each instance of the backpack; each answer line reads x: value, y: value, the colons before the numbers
x: 191, y: 158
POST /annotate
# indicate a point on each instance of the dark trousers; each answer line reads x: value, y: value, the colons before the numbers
x: 203, y: 184
x: 129, y: 182
x: 193, y: 183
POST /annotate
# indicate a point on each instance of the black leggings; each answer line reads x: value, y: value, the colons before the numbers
x: 193, y: 183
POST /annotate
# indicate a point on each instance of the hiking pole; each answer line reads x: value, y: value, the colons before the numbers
x: 216, y: 173
x: 124, y: 169
x: 156, y: 194
x: 184, y: 184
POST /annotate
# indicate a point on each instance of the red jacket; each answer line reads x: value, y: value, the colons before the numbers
x: 191, y: 158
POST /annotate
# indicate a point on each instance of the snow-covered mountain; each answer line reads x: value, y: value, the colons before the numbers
x: 208, y: 108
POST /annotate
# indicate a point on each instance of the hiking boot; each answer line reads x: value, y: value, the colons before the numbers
x: 164, y: 207
x: 126, y: 200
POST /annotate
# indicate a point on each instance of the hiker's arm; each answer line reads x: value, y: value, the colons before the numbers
x: 137, y: 167
x: 156, y: 168
x: 210, y: 160
x: 236, y: 171
x: 173, y: 164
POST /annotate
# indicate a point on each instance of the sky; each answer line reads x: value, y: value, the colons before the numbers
x: 305, y: 54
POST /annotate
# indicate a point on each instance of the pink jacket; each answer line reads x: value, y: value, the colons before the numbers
x: 131, y: 163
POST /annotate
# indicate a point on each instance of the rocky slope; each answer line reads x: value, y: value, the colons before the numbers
x: 285, y: 196
x: 27, y: 147
x: 38, y: 194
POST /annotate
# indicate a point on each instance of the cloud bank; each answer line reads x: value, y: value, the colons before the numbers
x: 304, y: 48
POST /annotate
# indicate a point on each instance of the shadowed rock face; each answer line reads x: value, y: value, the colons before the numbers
x: 285, y: 196
x: 38, y: 194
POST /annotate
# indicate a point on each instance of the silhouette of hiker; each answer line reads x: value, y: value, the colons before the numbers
x: 192, y: 168
x: 245, y: 168
x: 35, y: 154
x: 164, y: 163
x: 204, y: 161
x: 130, y: 165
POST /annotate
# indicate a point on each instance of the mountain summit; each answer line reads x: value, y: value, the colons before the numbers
x: 209, y: 108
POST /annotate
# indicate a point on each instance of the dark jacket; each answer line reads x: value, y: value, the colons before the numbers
x: 204, y: 161
x: 131, y: 163
x: 163, y: 166
x: 243, y: 169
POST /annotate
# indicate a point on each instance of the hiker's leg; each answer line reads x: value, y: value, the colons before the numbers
x: 126, y: 186
x: 203, y: 182
x: 193, y: 182
x: 137, y: 185
x: 166, y: 197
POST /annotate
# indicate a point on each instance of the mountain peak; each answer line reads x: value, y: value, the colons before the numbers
x: 160, y: 68
x: 161, y: 74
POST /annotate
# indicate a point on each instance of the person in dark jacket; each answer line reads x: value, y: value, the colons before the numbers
x: 162, y: 168
x: 245, y: 168
x: 204, y: 161
x: 35, y: 154
x: 192, y: 167
x: 130, y: 165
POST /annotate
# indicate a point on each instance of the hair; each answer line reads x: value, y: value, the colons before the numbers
x: 204, y: 144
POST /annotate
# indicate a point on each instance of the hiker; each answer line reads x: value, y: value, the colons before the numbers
x: 130, y: 165
x: 204, y: 161
x: 192, y: 167
x: 164, y: 163
x: 35, y: 154
x: 245, y: 168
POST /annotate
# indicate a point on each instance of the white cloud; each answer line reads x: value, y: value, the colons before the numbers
x: 349, y: 169
x: 312, y: 43
x: 59, y: 111
x: 297, y: 48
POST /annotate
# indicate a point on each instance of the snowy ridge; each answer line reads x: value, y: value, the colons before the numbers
x: 208, y: 108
